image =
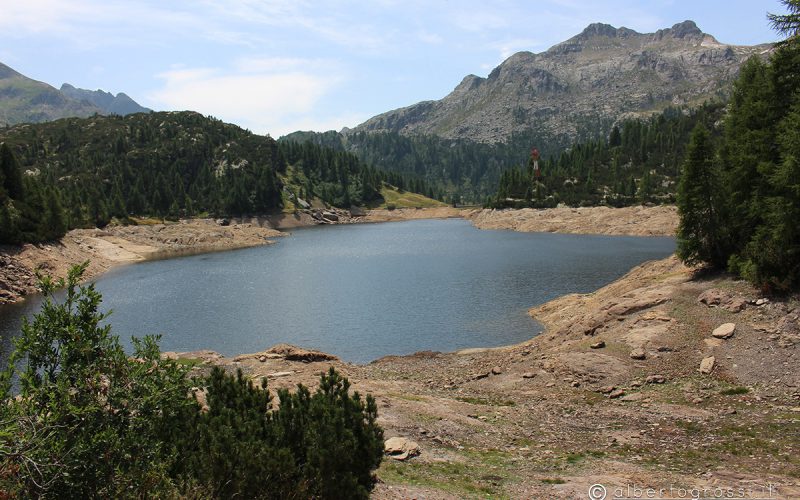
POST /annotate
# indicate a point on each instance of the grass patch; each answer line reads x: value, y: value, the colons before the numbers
x: 733, y: 391
x: 459, y: 478
x: 145, y: 221
x: 553, y: 480
x: 405, y: 199
x: 188, y: 362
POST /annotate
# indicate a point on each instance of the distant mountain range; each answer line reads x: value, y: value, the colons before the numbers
x: 24, y: 100
x: 578, y: 87
x: 120, y: 104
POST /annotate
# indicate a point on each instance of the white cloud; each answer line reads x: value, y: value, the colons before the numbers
x: 507, y: 48
x: 266, y: 95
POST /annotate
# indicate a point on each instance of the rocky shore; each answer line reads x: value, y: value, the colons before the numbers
x: 634, y: 385
x: 637, y: 220
x: 115, y: 245
x: 667, y: 378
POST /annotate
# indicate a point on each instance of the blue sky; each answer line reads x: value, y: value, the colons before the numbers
x: 275, y: 66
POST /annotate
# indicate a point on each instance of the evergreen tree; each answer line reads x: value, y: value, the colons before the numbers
x: 699, y: 238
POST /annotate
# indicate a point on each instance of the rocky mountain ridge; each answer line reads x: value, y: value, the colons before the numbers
x: 25, y: 100
x: 120, y: 104
x: 578, y: 86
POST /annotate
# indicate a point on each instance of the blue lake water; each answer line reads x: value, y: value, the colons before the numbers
x: 360, y: 291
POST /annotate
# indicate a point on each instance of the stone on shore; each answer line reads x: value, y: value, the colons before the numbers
x: 400, y: 448
x: 707, y: 365
x: 724, y: 331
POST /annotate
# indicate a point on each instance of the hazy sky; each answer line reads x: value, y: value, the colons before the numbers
x: 275, y: 66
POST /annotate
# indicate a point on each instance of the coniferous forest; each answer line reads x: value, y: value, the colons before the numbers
x: 82, y: 172
x: 739, y: 197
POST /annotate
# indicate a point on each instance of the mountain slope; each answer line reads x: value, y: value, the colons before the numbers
x: 23, y: 99
x: 120, y: 104
x: 578, y: 87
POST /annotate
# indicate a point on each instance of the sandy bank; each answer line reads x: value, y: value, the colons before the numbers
x: 400, y: 214
x: 631, y: 221
x: 116, y: 245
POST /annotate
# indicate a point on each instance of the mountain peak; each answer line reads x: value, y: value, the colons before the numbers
x: 597, y: 29
x: 686, y: 30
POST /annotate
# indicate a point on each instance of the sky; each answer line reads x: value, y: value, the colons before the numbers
x: 276, y: 66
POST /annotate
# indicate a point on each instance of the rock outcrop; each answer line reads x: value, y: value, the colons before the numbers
x: 567, y: 91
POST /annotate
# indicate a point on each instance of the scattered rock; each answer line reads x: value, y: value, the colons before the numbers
x: 724, y: 331
x: 598, y: 345
x: 707, y: 365
x: 762, y: 301
x: 713, y: 297
x: 528, y: 375
x: 655, y: 379
x: 735, y: 305
x: 637, y: 396
x: 575, y: 383
x: 201, y: 396
x: 497, y: 370
x: 606, y: 390
x: 479, y: 376
x: 616, y: 394
x: 729, y: 411
x: 294, y: 353
x: 638, y: 353
x: 400, y: 448
x: 697, y: 401
x: 279, y: 374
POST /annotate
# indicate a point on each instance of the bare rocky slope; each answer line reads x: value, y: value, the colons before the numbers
x: 592, y: 79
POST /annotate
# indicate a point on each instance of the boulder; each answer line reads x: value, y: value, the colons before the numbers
x: 616, y: 394
x: 735, y: 305
x: 294, y: 353
x: 724, y: 331
x: 707, y: 365
x: 528, y: 375
x: 400, y: 448
x: 713, y: 297
x: 655, y: 379
x: 638, y: 353
x: 497, y: 370
x: 598, y: 345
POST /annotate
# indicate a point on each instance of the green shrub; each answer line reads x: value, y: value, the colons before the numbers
x: 88, y: 421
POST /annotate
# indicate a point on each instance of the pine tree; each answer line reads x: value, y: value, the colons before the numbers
x: 699, y: 238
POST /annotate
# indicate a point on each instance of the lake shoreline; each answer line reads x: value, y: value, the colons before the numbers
x: 617, y: 390
x: 626, y: 385
x: 119, y: 245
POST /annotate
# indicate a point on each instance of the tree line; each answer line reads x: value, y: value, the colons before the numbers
x: 639, y: 162
x: 78, y: 172
x: 739, y: 196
